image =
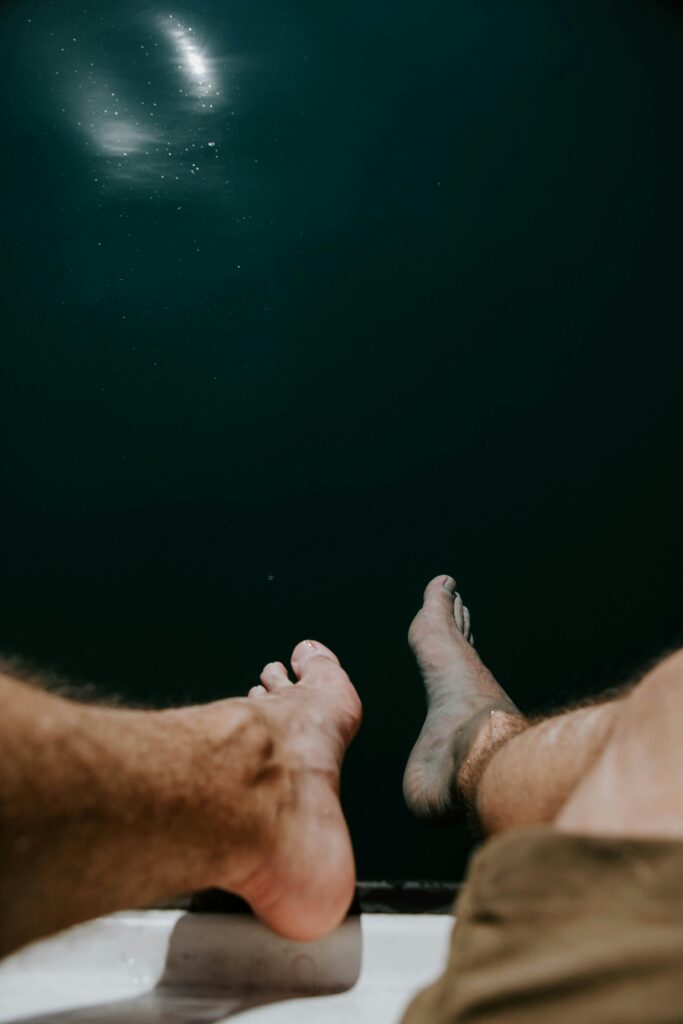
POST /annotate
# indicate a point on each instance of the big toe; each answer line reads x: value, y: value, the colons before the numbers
x: 439, y: 594
x: 274, y: 677
x: 305, y: 654
x: 437, y: 611
x: 317, y: 668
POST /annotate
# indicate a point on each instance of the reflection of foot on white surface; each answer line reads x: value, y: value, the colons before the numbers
x: 169, y: 966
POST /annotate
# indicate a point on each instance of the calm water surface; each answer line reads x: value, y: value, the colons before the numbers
x: 308, y: 302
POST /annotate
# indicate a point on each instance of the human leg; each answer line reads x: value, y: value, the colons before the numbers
x: 102, y: 809
x: 635, y: 785
x: 476, y: 750
x: 578, y: 916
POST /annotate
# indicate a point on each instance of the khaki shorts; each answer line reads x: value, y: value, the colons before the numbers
x: 564, y: 929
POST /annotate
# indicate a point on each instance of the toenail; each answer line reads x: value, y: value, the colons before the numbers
x: 449, y: 584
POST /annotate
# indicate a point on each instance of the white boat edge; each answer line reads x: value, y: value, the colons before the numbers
x: 146, y: 963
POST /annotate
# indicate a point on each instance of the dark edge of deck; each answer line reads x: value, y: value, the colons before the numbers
x: 385, y: 897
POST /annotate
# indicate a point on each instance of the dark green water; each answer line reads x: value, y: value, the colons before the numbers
x: 417, y: 309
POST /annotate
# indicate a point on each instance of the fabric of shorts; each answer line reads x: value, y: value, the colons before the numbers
x: 554, y: 928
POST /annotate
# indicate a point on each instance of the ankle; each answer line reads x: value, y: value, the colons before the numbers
x: 491, y: 730
x: 240, y: 784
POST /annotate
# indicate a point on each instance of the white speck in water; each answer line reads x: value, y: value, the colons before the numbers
x: 270, y: 577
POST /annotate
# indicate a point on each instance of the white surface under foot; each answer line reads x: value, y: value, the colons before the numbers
x: 168, y: 966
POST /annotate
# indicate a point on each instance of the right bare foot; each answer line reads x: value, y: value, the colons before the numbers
x: 305, y: 880
x: 468, y: 714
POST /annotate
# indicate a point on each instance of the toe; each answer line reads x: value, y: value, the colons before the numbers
x: 440, y: 617
x: 467, y: 626
x: 274, y: 676
x: 459, y: 613
x: 318, y: 671
x: 439, y: 600
x: 440, y: 592
x: 257, y: 691
x: 307, y: 651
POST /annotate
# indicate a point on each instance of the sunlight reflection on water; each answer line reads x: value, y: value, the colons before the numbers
x: 150, y: 100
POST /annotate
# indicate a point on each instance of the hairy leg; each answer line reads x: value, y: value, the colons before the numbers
x: 476, y: 750
x: 529, y: 779
x: 103, y: 809
x: 635, y: 785
x: 610, y: 769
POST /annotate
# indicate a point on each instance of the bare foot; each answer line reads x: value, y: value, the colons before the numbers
x: 468, y: 714
x: 306, y: 882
